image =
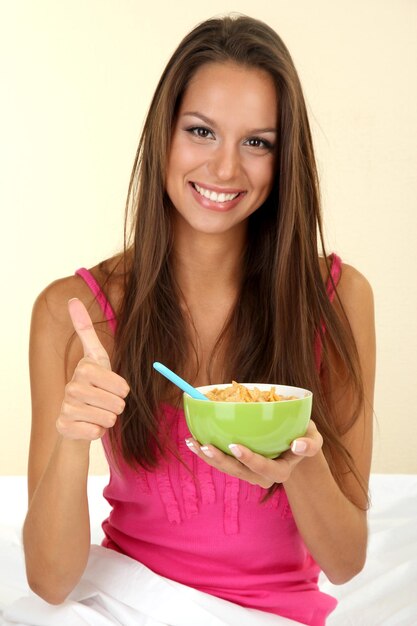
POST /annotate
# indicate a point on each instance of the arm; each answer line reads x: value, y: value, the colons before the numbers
x: 333, y: 527
x: 66, y: 417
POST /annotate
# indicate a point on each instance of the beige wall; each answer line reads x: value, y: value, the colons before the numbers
x: 76, y: 80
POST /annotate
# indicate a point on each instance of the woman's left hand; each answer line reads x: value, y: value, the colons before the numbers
x: 255, y: 468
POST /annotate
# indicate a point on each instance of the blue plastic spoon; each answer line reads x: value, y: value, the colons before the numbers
x: 177, y: 380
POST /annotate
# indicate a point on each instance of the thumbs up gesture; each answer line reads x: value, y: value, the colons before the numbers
x: 95, y: 395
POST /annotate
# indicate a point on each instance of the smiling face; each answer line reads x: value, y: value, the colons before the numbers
x: 221, y: 162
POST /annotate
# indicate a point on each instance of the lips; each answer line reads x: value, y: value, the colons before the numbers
x: 216, y: 197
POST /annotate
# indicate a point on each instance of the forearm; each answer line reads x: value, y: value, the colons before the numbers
x: 56, y: 533
x: 333, y: 528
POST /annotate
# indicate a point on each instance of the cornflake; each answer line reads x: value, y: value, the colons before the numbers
x: 240, y: 393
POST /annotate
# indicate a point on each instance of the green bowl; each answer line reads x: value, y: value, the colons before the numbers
x: 267, y: 428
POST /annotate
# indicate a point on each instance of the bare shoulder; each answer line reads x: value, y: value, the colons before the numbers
x: 51, y: 327
x: 51, y: 324
x: 355, y: 305
x: 352, y: 280
x: 355, y: 293
x: 51, y: 305
x: 353, y: 289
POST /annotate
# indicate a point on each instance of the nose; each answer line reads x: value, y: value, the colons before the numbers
x: 225, y: 161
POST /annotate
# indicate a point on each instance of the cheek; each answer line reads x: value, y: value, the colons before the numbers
x: 184, y: 157
x: 182, y: 161
x: 264, y: 176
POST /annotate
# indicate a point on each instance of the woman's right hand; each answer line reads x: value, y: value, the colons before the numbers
x: 95, y: 395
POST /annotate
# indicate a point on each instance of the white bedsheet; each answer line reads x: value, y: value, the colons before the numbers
x: 383, y: 594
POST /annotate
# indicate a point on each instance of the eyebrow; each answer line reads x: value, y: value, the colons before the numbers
x: 207, y: 120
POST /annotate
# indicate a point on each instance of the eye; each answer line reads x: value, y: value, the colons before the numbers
x: 199, y: 131
x: 257, y: 142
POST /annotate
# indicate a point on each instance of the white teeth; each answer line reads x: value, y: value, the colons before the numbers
x: 215, y: 197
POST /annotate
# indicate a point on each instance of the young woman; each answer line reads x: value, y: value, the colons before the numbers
x: 222, y: 278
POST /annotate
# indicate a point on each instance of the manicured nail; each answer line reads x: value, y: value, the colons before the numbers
x: 205, y: 450
x: 234, y: 449
x: 298, y: 446
x: 191, y: 446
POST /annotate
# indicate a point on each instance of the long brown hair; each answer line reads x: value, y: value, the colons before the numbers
x: 282, y: 304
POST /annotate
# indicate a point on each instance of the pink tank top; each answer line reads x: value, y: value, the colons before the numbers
x: 208, y: 530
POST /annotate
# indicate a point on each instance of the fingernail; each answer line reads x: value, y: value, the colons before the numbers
x: 298, y: 446
x: 191, y: 446
x: 235, y: 450
x: 205, y: 450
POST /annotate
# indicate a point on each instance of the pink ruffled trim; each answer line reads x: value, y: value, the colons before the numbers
x: 231, y: 505
x: 206, y: 483
x: 141, y: 477
x: 167, y: 494
x: 196, y: 480
x: 202, y: 473
x: 186, y: 473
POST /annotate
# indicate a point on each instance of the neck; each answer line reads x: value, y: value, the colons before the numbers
x: 206, y: 263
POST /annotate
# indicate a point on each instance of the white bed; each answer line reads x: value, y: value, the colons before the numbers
x: 383, y: 594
